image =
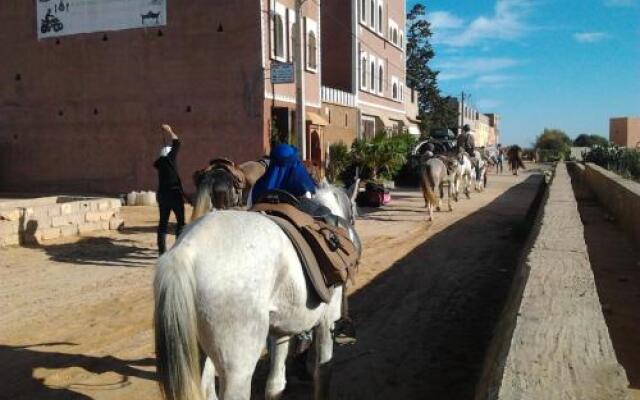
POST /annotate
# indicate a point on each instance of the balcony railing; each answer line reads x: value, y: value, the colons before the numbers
x: 337, y: 96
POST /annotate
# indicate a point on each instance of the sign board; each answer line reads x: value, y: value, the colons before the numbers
x: 282, y: 73
x: 70, y: 17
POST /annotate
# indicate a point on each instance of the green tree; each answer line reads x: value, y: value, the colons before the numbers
x: 435, y: 111
x: 553, y: 144
x: 586, y: 140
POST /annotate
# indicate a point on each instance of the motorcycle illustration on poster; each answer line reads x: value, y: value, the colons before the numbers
x: 70, y: 17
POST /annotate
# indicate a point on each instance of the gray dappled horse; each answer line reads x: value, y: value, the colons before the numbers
x: 233, y: 279
x: 436, y: 172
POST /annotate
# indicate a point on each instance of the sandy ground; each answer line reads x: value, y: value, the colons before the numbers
x: 75, y: 316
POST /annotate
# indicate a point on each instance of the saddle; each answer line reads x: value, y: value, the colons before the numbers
x: 239, y: 180
x: 320, y: 238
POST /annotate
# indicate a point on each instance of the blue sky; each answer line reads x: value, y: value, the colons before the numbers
x: 567, y: 64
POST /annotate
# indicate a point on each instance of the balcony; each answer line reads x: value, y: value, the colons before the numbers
x: 336, y: 96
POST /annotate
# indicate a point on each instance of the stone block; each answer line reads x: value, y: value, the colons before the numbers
x: 10, y: 240
x: 116, y: 223
x: 9, y: 227
x: 69, y: 208
x: 106, y: 216
x: 92, y: 216
x: 104, y: 205
x: 49, y: 233
x: 69, y: 230
x: 54, y: 210
x: 64, y: 220
x: 89, y: 227
x: 10, y: 215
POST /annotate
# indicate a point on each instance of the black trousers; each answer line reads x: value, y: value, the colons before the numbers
x: 169, y: 201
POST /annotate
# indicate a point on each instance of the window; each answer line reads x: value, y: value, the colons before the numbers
x: 394, y: 38
x: 373, y: 75
x: 401, y: 92
x: 346, y: 120
x: 363, y: 10
x: 363, y: 71
x: 291, y: 20
x: 401, y: 44
x: 394, y: 88
x: 380, y: 79
x: 372, y: 16
x: 380, y: 18
x: 278, y: 36
x: 279, y: 40
x: 312, y: 62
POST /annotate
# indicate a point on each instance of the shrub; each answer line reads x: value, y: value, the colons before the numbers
x: 625, y: 162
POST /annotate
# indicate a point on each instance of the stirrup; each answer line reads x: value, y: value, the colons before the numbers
x: 344, y: 332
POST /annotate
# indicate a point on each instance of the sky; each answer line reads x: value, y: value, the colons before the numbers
x: 566, y: 64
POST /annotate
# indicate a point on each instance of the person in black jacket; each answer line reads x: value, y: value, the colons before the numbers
x: 170, y: 193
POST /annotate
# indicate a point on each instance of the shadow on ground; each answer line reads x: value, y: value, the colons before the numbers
x: 24, y: 361
x: 425, y: 324
x: 102, y: 251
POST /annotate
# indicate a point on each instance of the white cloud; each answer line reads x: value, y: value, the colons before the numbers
x: 506, y: 23
x: 488, y: 105
x: 590, y: 37
x: 444, y: 20
x: 462, y: 68
x: 495, y: 80
x: 620, y: 3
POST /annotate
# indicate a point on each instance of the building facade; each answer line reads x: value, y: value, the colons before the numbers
x: 363, y: 54
x: 625, y: 131
x: 484, y: 127
x: 81, y: 112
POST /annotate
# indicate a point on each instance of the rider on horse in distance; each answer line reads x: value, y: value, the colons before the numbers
x: 466, y: 142
x: 287, y: 172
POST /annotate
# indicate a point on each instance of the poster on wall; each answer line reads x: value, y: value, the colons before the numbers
x: 69, y: 17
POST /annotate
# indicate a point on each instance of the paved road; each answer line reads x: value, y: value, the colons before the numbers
x: 75, y: 317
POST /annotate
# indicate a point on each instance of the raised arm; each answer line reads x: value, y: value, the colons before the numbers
x: 175, y: 141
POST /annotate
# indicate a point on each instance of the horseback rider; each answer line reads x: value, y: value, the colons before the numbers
x: 170, y: 194
x: 466, y: 143
x: 287, y: 172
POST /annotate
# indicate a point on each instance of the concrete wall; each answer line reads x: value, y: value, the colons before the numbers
x: 552, y: 341
x: 619, y: 195
x: 40, y: 220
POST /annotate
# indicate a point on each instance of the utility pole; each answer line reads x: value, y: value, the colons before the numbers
x: 298, y: 56
x: 461, y: 113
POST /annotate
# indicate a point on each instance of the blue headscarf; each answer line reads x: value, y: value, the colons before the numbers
x: 285, y: 172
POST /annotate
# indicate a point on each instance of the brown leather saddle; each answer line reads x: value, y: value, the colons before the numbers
x: 239, y: 180
x: 321, y: 241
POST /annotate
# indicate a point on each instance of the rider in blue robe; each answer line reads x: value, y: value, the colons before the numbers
x: 285, y: 172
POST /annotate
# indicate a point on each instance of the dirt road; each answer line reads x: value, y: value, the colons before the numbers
x: 75, y: 317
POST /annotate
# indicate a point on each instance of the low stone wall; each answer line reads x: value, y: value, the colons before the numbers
x: 552, y: 341
x: 35, y: 221
x: 619, y: 195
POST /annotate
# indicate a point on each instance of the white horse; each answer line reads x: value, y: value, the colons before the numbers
x: 232, y: 280
x: 463, y: 172
x: 479, y: 182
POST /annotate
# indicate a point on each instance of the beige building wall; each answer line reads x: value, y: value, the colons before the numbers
x: 342, y: 123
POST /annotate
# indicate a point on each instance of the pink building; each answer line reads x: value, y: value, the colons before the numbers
x: 80, y: 112
x: 363, y: 54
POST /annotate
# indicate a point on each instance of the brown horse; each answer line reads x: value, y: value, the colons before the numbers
x: 224, y: 185
x: 436, y: 172
x: 514, y: 154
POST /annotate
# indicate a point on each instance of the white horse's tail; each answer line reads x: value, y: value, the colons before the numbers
x: 176, y: 328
